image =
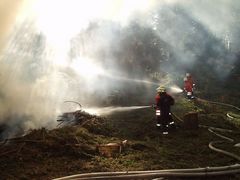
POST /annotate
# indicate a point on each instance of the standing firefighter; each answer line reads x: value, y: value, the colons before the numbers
x: 163, y: 110
x: 188, y: 86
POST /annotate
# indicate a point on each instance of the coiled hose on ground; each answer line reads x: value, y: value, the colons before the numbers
x: 158, y: 174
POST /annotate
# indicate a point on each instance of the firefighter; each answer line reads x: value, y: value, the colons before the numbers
x: 190, y: 79
x: 163, y: 110
x: 188, y: 86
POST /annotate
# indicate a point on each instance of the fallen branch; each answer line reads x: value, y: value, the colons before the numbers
x: 75, y: 103
x: 7, y: 152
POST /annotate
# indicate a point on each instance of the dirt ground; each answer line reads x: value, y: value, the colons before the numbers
x: 72, y: 149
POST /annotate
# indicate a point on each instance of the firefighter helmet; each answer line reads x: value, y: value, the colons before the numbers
x: 161, y: 89
x: 188, y: 75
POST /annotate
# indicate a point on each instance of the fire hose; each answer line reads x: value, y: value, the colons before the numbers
x: 211, y: 144
x: 234, y: 117
x: 195, y: 172
x: 219, y: 103
x: 213, y: 129
x: 158, y: 174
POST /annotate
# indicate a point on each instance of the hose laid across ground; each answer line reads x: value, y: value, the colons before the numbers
x: 212, y: 147
x: 195, y: 172
x: 211, y: 129
x: 233, y: 116
x: 211, y: 144
x: 158, y: 174
x: 219, y: 103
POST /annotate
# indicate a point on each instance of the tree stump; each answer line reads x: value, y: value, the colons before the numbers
x: 190, y: 121
x: 111, y: 149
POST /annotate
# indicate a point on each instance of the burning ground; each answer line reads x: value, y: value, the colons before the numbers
x: 71, y: 149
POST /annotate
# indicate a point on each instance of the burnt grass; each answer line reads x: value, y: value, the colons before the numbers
x: 68, y: 150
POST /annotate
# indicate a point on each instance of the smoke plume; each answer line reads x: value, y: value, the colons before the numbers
x: 115, y: 54
x: 8, y: 12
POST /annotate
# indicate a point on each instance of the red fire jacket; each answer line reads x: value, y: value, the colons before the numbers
x: 188, y: 84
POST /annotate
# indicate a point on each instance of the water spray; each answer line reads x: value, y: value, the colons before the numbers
x: 136, y: 80
x: 111, y: 109
x: 108, y: 110
x: 91, y: 70
x: 175, y: 89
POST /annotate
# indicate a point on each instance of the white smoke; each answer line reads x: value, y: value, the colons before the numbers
x: 55, y: 51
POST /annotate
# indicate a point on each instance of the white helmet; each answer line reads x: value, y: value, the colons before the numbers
x: 161, y: 89
x: 187, y: 74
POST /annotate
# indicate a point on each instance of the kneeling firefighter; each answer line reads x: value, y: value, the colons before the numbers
x: 163, y: 111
